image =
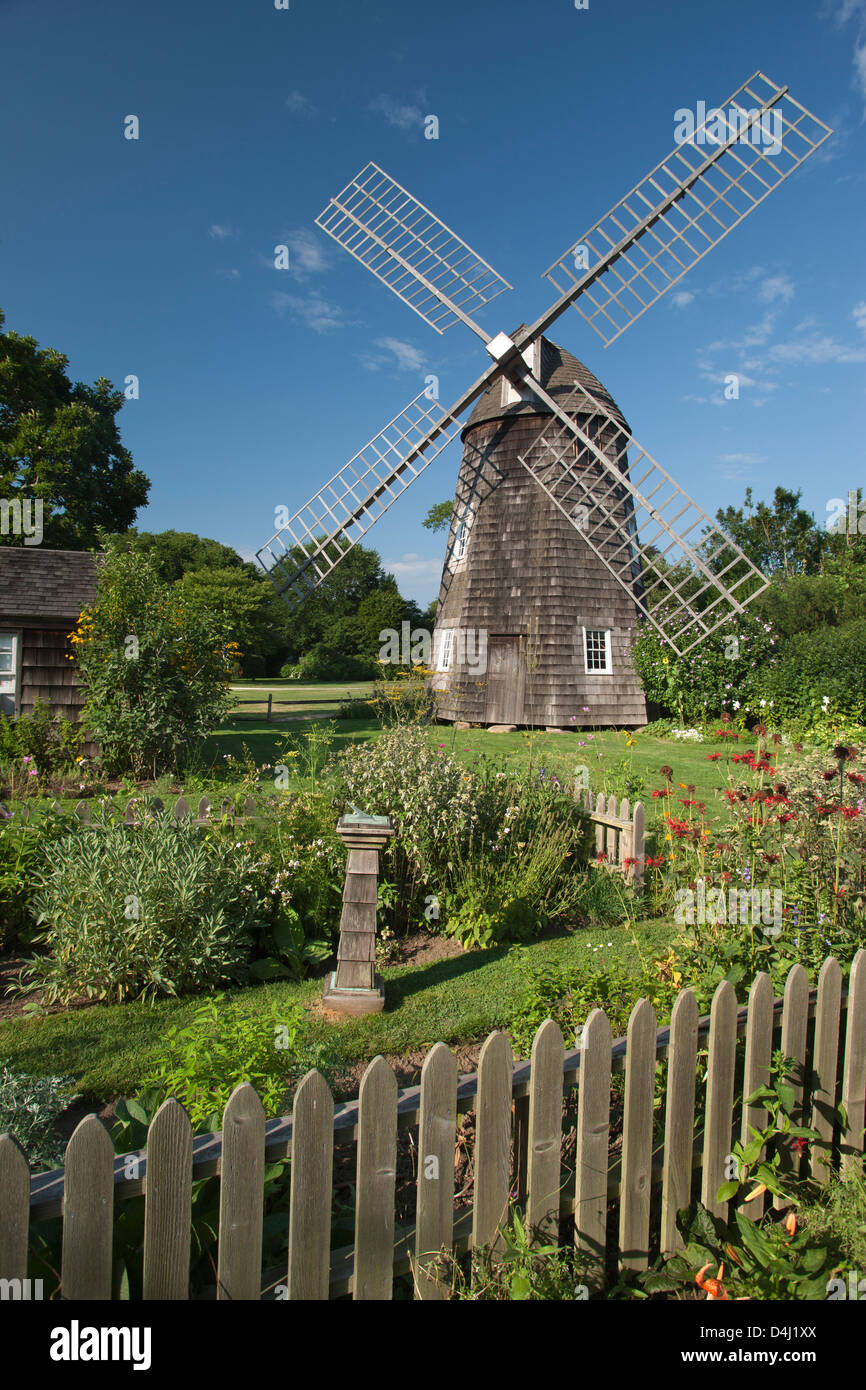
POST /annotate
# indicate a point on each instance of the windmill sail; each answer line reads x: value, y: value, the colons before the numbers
x: 304, y: 551
x: 686, y: 576
x: 684, y: 207
x: 410, y: 250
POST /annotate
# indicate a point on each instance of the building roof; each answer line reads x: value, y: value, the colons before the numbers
x: 40, y: 583
x: 560, y: 372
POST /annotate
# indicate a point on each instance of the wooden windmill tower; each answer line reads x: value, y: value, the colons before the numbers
x: 532, y: 627
x: 589, y: 513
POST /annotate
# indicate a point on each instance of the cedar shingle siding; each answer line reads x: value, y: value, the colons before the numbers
x: 529, y: 580
x: 42, y: 592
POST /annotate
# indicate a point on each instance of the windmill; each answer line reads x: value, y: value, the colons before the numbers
x: 612, y: 538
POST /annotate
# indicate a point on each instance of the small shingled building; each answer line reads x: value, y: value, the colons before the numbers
x: 42, y: 593
x: 558, y: 625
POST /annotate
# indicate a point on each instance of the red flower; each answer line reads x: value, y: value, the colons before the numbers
x: 601, y: 858
x: 713, y: 757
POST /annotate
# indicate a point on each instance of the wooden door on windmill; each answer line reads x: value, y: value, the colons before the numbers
x: 505, y: 680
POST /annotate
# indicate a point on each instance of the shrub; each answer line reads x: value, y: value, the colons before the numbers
x: 49, y: 741
x: 155, y: 670
x: 324, y: 662
x: 712, y: 676
x: 156, y: 909
x: 226, y: 1044
x: 23, y: 847
x: 460, y: 829
x: 827, y: 666
x: 29, y: 1109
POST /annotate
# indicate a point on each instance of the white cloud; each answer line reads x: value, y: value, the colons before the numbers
x: 301, y: 105
x: 311, y: 309
x: 232, y: 274
x: 398, y: 114
x: 815, y: 349
x: 307, y: 256
x: 735, y: 466
x: 858, y: 314
x: 219, y: 232
x: 394, y: 352
x: 414, y: 569
x: 855, y: 10
x: 682, y: 298
x: 776, y: 287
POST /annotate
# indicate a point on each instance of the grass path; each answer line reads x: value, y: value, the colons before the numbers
x: 110, y: 1049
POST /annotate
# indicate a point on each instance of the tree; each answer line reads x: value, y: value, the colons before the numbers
x: 176, y: 553
x: 239, y: 603
x: 60, y: 443
x: 439, y: 517
x: 779, y: 539
x: 155, y: 672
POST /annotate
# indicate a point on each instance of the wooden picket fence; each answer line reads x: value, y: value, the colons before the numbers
x: 519, y: 1128
x: 620, y: 833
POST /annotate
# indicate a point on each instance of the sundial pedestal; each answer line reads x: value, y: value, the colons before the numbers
x: 354, y: 987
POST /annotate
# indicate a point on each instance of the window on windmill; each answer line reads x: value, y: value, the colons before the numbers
x: 446, y: 649
x: 461, y: 540
x: 596, y: 647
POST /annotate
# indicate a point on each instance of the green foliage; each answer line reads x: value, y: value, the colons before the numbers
x: 301, y: 868
x: 502, y: 845
x: 568, y: 994
x: 155, y: 673
x: 439, y: 516
x: 825, y: 665
x: 135, y: 912
x: 329, y: 661
x: 238, y: 601
x: 24, y: 846
x: 770, y: 1258
x: 29, y: 1109
x: 174, y: 554
x: 60, y: 442
x: 782, y: 538
x: 225, y: 1045
x: 50, y: 741
x: 520, y: 1269
x: 710, y: 678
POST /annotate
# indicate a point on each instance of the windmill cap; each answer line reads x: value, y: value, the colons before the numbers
x: 559, y: 373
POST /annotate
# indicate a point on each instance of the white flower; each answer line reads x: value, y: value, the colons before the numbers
x: 736, y: 704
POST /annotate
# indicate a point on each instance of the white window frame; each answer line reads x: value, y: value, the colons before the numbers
x: 15, y: 674
x: 607, y: 669
x: 461, y: 540
x: 446, y: 648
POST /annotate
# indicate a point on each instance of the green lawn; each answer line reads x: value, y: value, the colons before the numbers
x: 109, y: 1049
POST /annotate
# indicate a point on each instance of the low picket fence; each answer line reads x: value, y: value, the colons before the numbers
x: 519, y: 1123
x: 620, y: 832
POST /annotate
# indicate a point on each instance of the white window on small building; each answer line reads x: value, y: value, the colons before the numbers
x: 446, y: 648
x: 596, y: 651
x: 461, y: 540
x: 8, y: 673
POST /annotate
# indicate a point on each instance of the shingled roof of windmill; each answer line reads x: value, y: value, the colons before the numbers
x: 560, y: 371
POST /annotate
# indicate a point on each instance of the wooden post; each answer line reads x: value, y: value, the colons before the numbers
x: 354, y: 987
x: 270, y: 698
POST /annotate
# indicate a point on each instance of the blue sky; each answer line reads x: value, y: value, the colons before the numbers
x: 155, y: 257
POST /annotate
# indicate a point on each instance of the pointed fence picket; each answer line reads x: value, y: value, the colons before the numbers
x: 655, y: 1175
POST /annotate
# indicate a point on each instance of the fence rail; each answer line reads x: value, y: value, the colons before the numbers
x: 518, y: 1131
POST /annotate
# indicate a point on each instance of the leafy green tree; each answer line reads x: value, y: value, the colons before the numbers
x: 782, y: 538
x: 240, y: 604
x: 60, y: 442
x: 439, y: 516
x: 176, y: 553
x: 155, y: 671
